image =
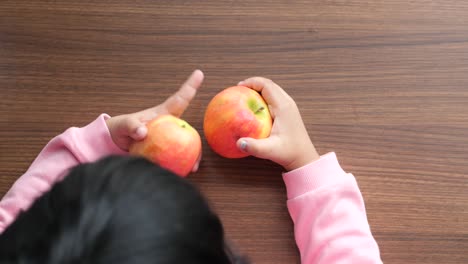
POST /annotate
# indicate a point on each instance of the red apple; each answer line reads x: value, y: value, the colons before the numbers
x: 233, y: 113
x: 171, y: 143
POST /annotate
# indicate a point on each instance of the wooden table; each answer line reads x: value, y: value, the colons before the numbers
x: 384, y: 84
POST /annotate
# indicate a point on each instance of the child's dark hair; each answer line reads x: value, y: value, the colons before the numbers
x: 118, y: 210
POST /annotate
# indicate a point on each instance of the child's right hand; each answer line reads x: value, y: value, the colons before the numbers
x: 289, y: 144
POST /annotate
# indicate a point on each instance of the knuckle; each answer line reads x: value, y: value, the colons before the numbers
x: 180, y: 100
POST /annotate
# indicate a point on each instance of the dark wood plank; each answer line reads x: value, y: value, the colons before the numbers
x: 382, y: 83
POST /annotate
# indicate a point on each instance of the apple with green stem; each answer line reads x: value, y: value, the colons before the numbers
x: 234, y: 113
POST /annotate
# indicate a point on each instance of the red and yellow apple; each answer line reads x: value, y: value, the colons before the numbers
x: 171, y: 143
x: 234, y: 113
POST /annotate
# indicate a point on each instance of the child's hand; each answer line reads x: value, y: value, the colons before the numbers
x: 288, y: 144
x: 125, y: 129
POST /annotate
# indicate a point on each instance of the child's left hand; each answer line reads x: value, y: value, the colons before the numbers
x: 125, y: 129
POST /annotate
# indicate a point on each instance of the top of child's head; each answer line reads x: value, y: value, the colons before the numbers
x: 118, y: 210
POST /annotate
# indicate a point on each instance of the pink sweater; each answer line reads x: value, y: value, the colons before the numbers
x: 324, y: 202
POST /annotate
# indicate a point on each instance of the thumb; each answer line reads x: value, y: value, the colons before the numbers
x: 132, y: 127
x: 138, y: 130
x: 260, y: 148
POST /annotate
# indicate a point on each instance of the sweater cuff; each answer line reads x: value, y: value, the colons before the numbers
x: 325, y: 171
x: 95, y: 140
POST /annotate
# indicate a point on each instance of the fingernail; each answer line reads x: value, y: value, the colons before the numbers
x: 141, y: 132
x: 241, y: 83
x: 197, y: 71
x: 243, y: 144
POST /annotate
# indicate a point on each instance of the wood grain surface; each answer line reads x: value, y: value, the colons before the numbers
x: 384, y: 84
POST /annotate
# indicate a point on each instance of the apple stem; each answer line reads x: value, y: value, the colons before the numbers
x: 260, y: 109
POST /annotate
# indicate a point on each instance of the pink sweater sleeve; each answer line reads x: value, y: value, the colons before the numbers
x: 327, y: 208
x: 74, y: 146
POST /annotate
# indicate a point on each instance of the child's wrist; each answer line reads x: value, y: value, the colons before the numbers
x: 306, y: 158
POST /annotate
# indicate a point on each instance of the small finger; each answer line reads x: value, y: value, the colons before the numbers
x: 197, y: 164
x: 178, y: 102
